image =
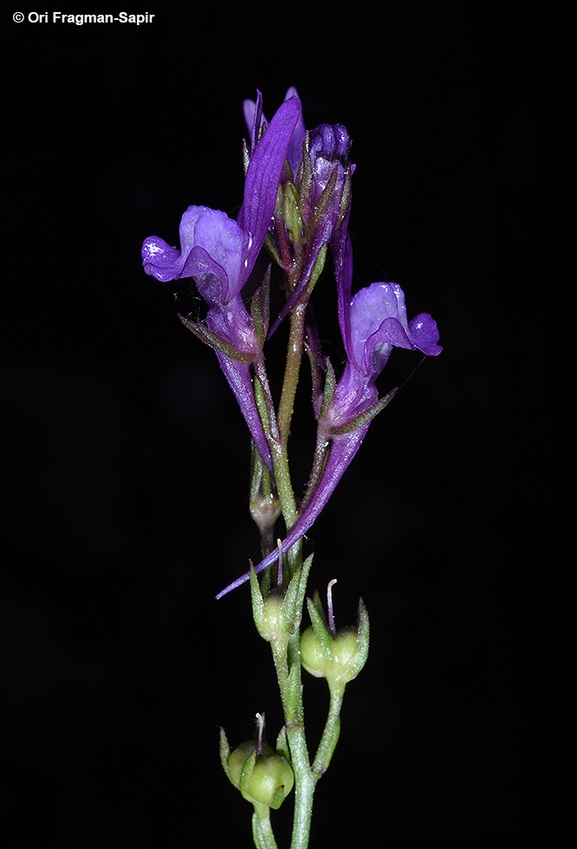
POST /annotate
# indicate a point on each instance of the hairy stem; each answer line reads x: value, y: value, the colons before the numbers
x: 291, y: 694
x: 262, y: 833
x: 330, y: 734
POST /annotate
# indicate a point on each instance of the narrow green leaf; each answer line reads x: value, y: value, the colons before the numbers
x: 257, y: 603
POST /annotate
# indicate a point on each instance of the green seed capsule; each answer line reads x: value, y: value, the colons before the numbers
x: 264, y: 778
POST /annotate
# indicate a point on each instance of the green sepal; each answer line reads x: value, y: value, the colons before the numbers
x: 320, y: 626
x: 261, y: 404
x: 224, y: 749
x: 304, y: 177
x: 265, y: 581
x: 329, y: 388
x: 365, y: 417
x: 209, y: 338
x: 271, y: 248
x: 246, y: 775
x: 291, y: 214
x: 324, y: 200
x: 316, y: 372
x: 260, y: 308
x: 318, y: 268
x: 282, y: 745
x: 363, y: 638
x: 279, y: 798
x: 346, y: 196
x: 317, y: 602
x: 257, y: 603
x: 295, y: 595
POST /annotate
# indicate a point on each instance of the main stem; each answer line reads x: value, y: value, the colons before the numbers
x: 284, y: 418
x: 292, y: 371
x: 287, y: 657
x: 305, y: 780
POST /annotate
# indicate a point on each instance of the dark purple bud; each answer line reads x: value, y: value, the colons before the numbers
x: 331, y: 142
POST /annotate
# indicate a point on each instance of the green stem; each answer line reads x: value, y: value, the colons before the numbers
x: 262, y: 833
x: 277, y: 444
x: 284, y: 418
x: 305, y: 783
x: 291, y: 695
x: 330, y: 734
x: 292, y: 370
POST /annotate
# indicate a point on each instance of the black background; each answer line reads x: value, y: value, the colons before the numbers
x: 125, y: 460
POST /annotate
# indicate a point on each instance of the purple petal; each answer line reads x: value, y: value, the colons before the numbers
x: 224, y: 242
x: 211, y: 244
x: 425, y: 334
x: 160, y: 260
x: 254, y: 118
x: 262, y: 179
x: 355, y: 393
x: 342, y: 451
x: 368, y: 311
x: 166, y: 263
x: 342, y: 251
x: 378, y: 322
x: 234, y: 325
x: 295, y: 148
x: 249, y: 110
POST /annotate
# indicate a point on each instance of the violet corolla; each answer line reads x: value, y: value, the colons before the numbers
x: 220, y: 253
x: 372, y: 323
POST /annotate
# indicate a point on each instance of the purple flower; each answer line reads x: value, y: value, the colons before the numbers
x: 220, y: 254
x: 372, y: 322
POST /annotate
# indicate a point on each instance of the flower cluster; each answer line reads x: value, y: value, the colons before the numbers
x: 296, y: 204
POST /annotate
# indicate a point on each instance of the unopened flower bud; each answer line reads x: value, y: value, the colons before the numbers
x: 265, y: 510
x: 331, y: 141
